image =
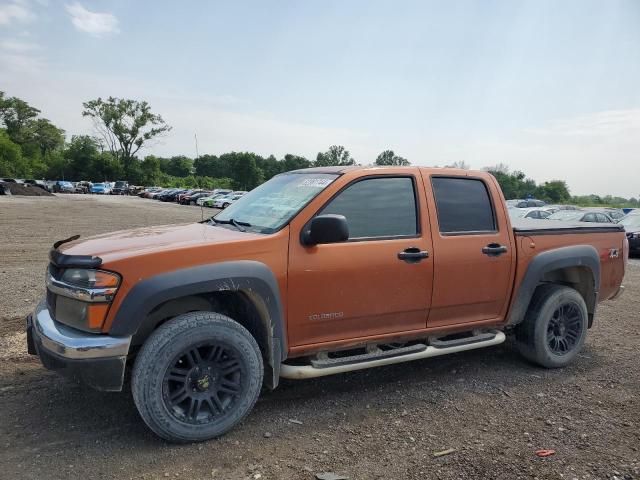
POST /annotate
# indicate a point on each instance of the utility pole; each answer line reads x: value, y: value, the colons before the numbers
x: 196, y: 139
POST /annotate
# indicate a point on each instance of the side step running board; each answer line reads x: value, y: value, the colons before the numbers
x: 367, y: 357
x: 324, y: 367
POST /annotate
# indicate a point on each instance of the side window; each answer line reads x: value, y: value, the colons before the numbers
x: 378, y: 207
x: 544, y: 214
x: 589, y: 217
x: 463, y: 205
x: 602, y: 218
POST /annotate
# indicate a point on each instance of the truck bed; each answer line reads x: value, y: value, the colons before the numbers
x: 529, y: 226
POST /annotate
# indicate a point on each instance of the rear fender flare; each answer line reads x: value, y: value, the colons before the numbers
x: 584, y: 256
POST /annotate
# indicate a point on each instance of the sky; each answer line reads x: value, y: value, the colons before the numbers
x: 551, y: 88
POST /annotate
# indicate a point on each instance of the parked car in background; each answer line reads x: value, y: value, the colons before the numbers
x: 188, y: 199
x: 62, y: 186
x: 225, y: 201
x: 581, y: 216
x: 192, y: 199
x: 85, y: 186
x: 556, y: 208
x: 146, y: 192
x: 101, y: 188
x: 120, y: 188
x: 631, y: 224
x: 35, y: 183
x: 615, y: 213
x: 170, y: 195
x: 536, y: 213
x: 217, y: 193
x: 526, y: 203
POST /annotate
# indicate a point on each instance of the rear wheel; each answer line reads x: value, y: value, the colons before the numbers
x: 555, y: 326
x: 225, y: 205
x: 196, y: 377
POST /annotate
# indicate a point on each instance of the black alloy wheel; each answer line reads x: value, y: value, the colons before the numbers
x: 564, y: 329
x: 203, y: 383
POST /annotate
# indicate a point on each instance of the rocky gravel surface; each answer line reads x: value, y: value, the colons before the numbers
x: 480, y: 414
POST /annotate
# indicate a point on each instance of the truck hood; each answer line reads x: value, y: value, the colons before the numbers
x: 141, y: 241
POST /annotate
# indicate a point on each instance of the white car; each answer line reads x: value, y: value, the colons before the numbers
x: 224, y: 202
x: 538, y: 213
x: 218, y: 192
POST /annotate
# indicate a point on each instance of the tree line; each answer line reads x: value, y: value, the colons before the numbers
x: 32, y: 147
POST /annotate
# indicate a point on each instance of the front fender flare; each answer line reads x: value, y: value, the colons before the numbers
x: 253, y: 278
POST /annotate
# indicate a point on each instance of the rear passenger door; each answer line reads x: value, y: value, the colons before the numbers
x: 473, y: 254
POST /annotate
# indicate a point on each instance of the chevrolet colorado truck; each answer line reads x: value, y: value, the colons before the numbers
x: 317, y: 272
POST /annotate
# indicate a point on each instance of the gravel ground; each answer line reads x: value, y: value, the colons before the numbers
x: 492, y: 407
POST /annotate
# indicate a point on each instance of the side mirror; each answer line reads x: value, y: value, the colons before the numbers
x: 325, y: 229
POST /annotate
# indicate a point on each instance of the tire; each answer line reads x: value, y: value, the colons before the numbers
x: 225, y: 205
x: 555, y: 327
x: 167, y: 368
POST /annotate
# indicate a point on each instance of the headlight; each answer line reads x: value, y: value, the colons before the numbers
x: 86, y: 278
x: 82, y: 297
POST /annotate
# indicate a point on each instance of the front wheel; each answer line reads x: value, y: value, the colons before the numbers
x: 225, y: 205
x: 196, y: 377
x: 555, y: 326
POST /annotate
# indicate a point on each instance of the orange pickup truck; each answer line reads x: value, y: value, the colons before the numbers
x: 317, y: 272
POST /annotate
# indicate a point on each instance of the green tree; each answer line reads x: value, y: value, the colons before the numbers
x: 388, y: 157
x: 11, y: 162
x: 244, y: 170
x: 206, y: 165
x: 17, y: 116
x: 270, y: 166
x: 46, y: 136
x: 336, y: 155
x: 179, y: 166
x: 294, y: 162
x: 125, y: 126
x: 555, y: 191
x: 81, y: 155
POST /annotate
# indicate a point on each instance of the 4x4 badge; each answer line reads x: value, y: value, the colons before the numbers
x: 614, y: 253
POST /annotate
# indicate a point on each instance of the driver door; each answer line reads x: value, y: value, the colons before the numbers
x: 361, y: 288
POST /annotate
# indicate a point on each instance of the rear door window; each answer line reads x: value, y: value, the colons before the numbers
x: 463, y: 205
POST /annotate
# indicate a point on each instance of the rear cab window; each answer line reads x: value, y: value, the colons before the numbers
x: 463, y: 206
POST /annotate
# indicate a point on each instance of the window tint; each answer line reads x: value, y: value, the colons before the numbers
x: 602, y: 218
x: 463, y: 205
x: 544, y: 214
x: 589, y: 217
x: 377, y: 207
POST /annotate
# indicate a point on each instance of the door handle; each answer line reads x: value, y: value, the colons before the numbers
x: 412, y: 255
x: 494, y: 250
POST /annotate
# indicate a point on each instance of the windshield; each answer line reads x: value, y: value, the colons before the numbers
x: 271, y: 205
x: 566, y: 215
x: 120, y: 184
x: 631, y: 221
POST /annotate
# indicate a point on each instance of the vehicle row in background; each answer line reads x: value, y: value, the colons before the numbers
x: 217, y: 198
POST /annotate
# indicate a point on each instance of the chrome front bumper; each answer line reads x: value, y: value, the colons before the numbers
x: 71, y: 343
x: 95, y: 359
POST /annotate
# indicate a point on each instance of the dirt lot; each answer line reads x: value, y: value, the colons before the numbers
x: 493, y: 408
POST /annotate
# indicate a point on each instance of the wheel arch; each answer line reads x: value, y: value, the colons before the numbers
x: 575, y: 266
x: 247, y: 291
